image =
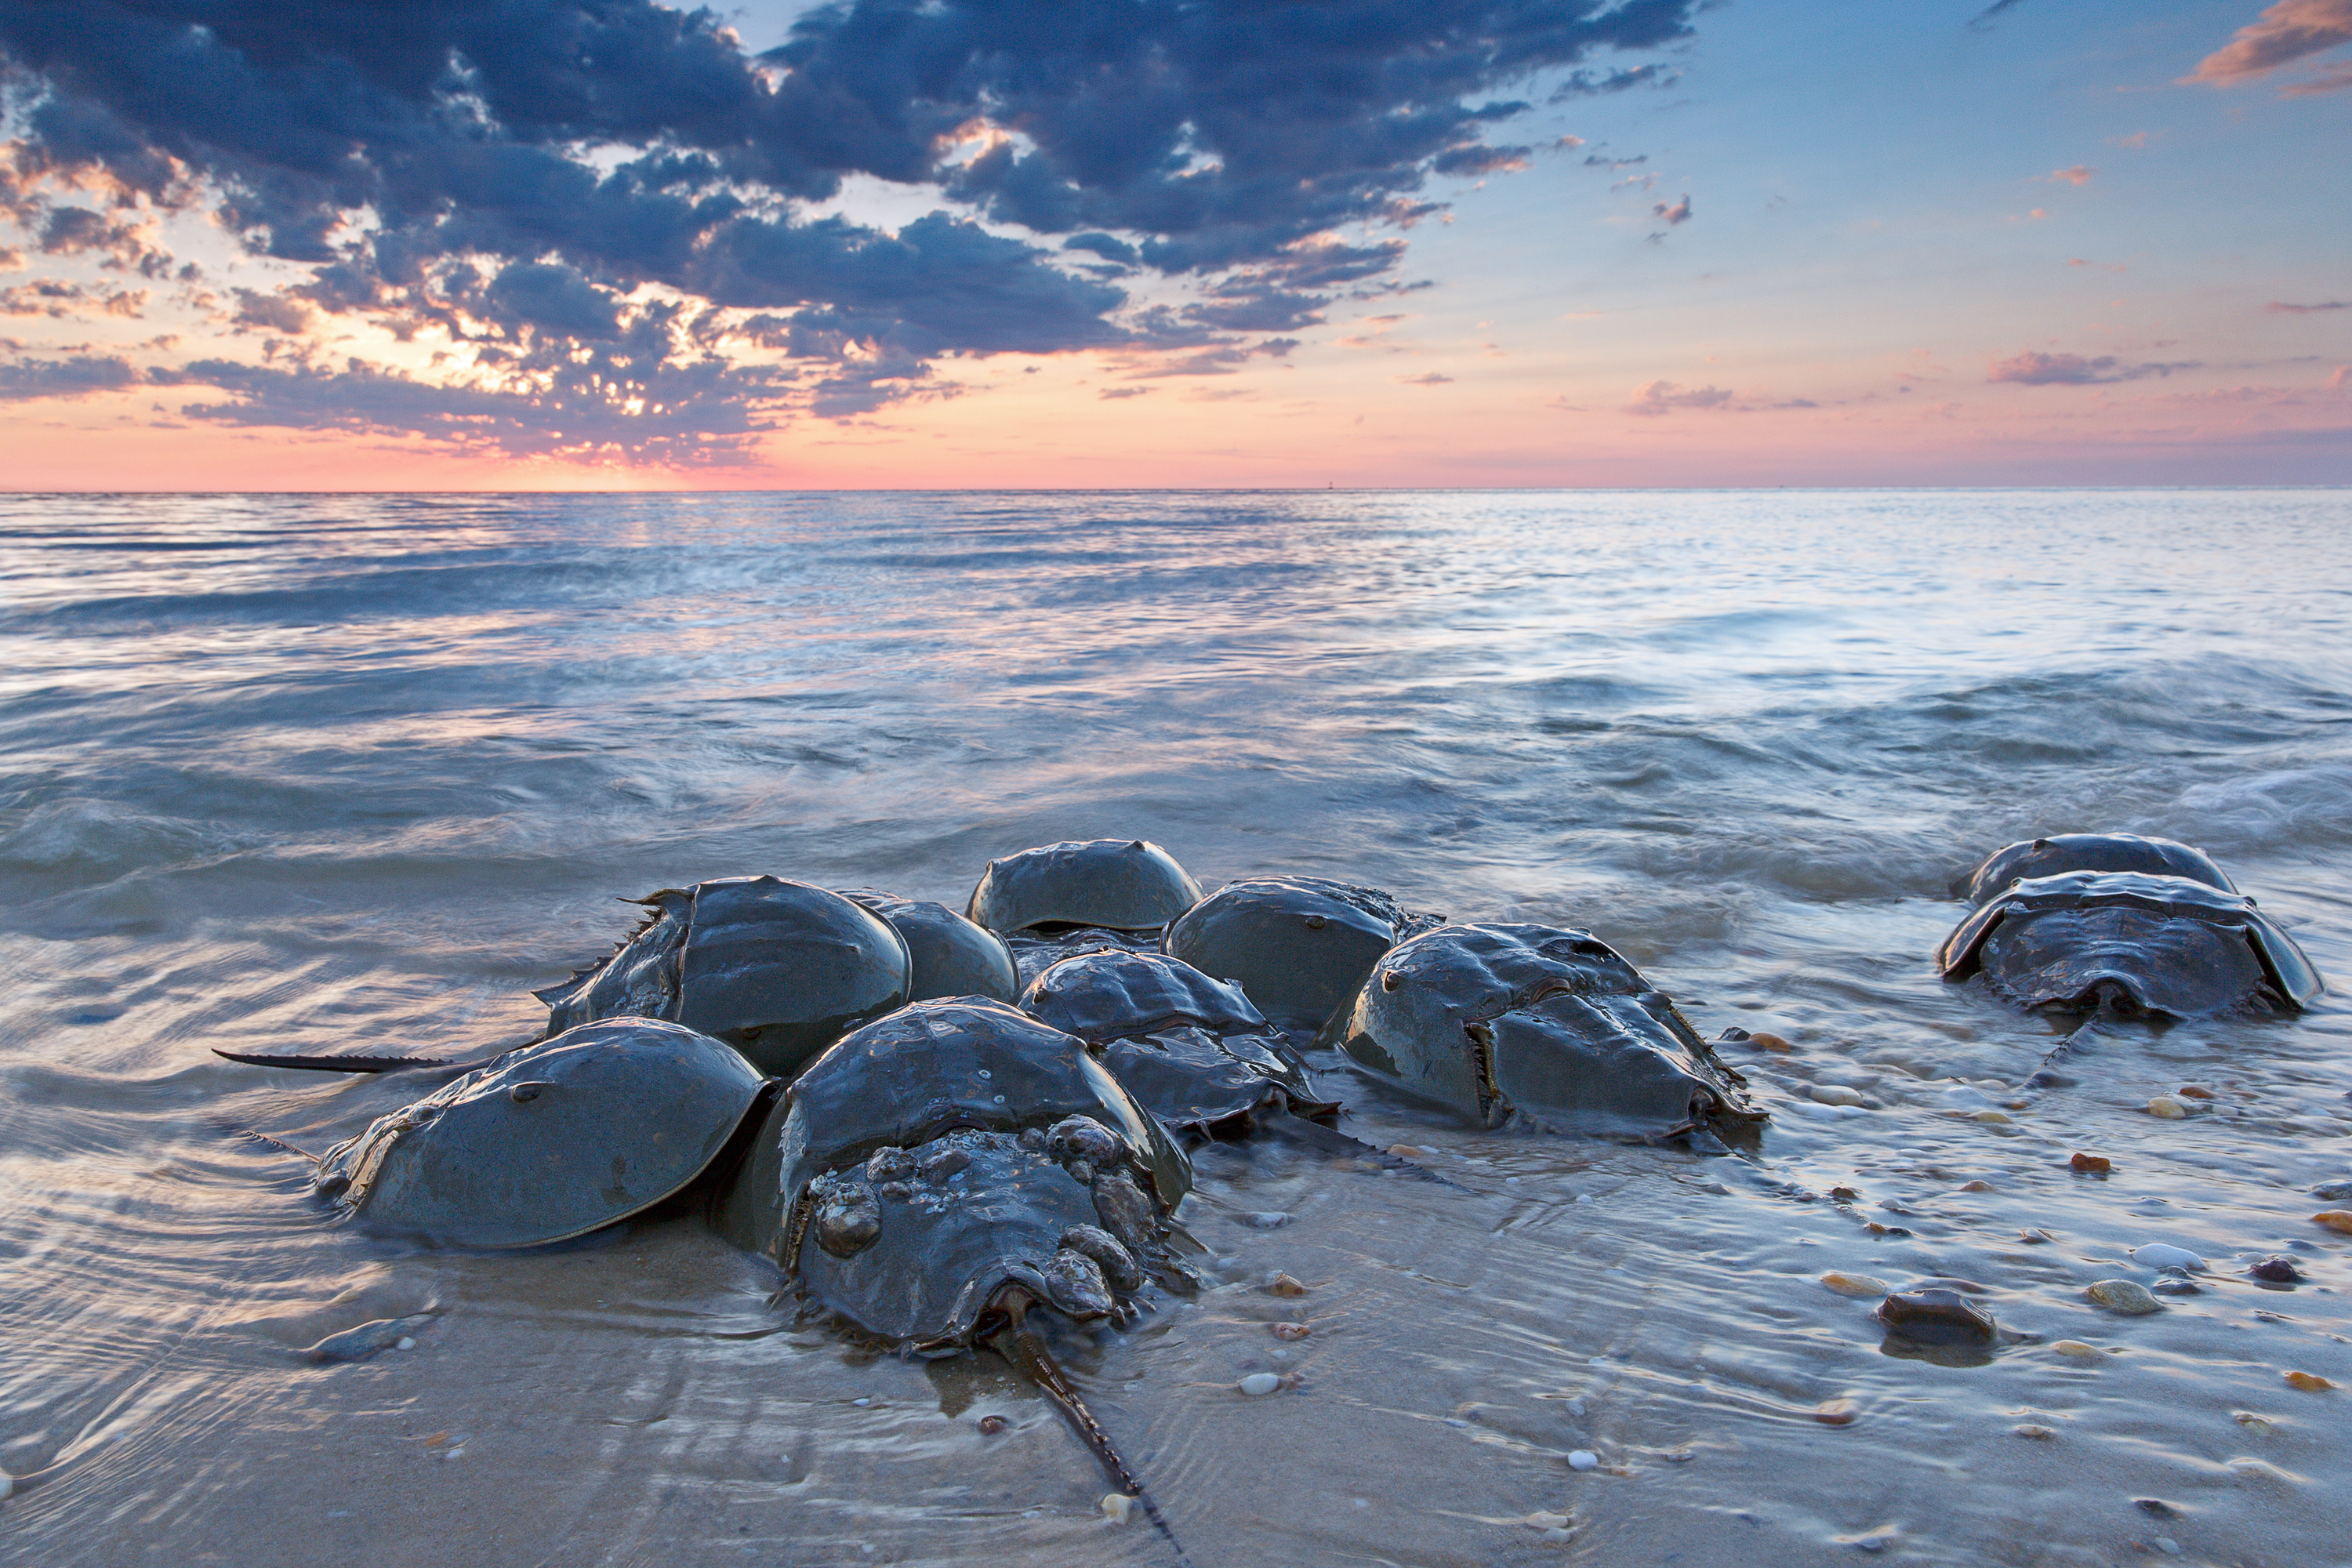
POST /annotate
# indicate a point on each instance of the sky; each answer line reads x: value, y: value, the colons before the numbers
x: 611, y: 245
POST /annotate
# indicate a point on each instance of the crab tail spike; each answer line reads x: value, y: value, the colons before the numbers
x: 332, y: 1064
x: 1025, y: 1348
x: 235, y: 1129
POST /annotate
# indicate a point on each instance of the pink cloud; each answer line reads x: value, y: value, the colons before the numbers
x: 2287, y: 32
x: 2078, y: 175
x: 1661, y: 397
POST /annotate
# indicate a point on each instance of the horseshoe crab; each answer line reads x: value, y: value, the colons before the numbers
x: 2121, y: 943
x: 552, y: 1140
x: 2029, y: 860
x: 777, y: 969
x: 1547, y: 1024
x: 1058, y: 900
x: 944, y: 1172
x: 1191, y: 1048
x: 950, y: 955
x: 1300, y: 945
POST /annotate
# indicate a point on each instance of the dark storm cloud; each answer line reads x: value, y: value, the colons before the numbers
x: 443, y: 155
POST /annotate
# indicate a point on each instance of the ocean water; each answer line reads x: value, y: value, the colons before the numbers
x: 313, y: 773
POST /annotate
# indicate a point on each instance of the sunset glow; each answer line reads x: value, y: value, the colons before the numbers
x: 1166, y: 245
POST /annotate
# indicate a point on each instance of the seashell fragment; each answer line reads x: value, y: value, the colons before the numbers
x: 2034, y: 1430
x: 1118, y: 1507
x: 2123, y: 1296
x: 1288, y: 1330
x: 1857, y: 1285
x: 2308, y: 1382
x: 1836, y: 1412
x: 2079, y: 1351
x: 1283, y: 1285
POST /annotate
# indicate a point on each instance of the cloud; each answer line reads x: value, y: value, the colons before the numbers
x: 2078, y: 175
x: 1984, y: 17
x: 1427, y: 378
x: 2340, y: 379
x: 1117, y: 392
x: 2285, y: 33
x: 1678, y: 213
x: 2035, y: 369
x: 2281, y: 307
x: 1663, y: 397
x: 76, y: 377
x: 271, y: 313
x: 532, y: 165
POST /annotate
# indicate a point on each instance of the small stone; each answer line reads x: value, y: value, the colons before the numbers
x: 1836, y: 1412
x: 1267, y: 1219
x: 2169, y: 1546
x: 1938, y: 1316
x: 1583, y: 1459
x: 2333, y: 1192
x: 2173, y: 1285
x: 1118, y: 1507
x: 1258, y: 1383
x: 2034, y: 1430
x: 2032, y: 1237
x: 2309, y: 1381
x: 990, y: 1426
x: 455, y: 1453
x: 1854, y: 1284
x: 1288, y: 1330
x: 2170, y: 1108
x: 2164, y: 1255
x: 1768, y: 1042
x: 2123, y: 1296
x: 1407, y: 1151
x: 2260, y: 1425
x: 404, y: 1343
x: 1992, y: 1118
x: 2334, y: 1219
x: 1283, y: 1285
x: 1875, y: 1228
x: 2090, y: 1164
x: 2078, y: 1350
x: 1977, y: 1186
x: 1836, y: 1094
x: 2193, y: 1092
x: 2156, y: 1506
x: 2276, y: 1270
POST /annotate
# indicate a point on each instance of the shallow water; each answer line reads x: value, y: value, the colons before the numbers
x: 312, y: 774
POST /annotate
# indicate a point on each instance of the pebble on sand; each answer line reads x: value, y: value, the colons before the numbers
x: 2334, y: 1219
x: 1118, y: 1507
x: 2166, y: 1107
x: 1288, y: 1330
x: 2032, y: 1237
x: 2164, y: 1255
x: 1763, y: 1041
x: 2034, y: 1429
x: 2079, y: 1350
x: 2309, y: 1381
x: 1583, y: 1459
x: 2123, y: 1296
x: 1855, y: 1284
x: 1836, y: 1094
x: 990, y: 1426
x: 1836, y: 1412
x: 2091, y: 1164
x: 2193, y: 1092
x: 1259, y: 1383
x: 1407, y: 1151
x: 1283, y: 1285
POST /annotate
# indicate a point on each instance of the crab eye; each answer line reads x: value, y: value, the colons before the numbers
x: 848, y: 1217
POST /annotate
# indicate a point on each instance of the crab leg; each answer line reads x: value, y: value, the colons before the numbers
x: 1026, y: 1349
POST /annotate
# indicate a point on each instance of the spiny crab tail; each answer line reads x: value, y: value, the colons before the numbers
x: 332, y: 1064
x: 1025, y: 1348
x: 235, y: 1129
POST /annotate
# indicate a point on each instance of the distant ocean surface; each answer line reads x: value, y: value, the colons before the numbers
x: 322, y: 772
